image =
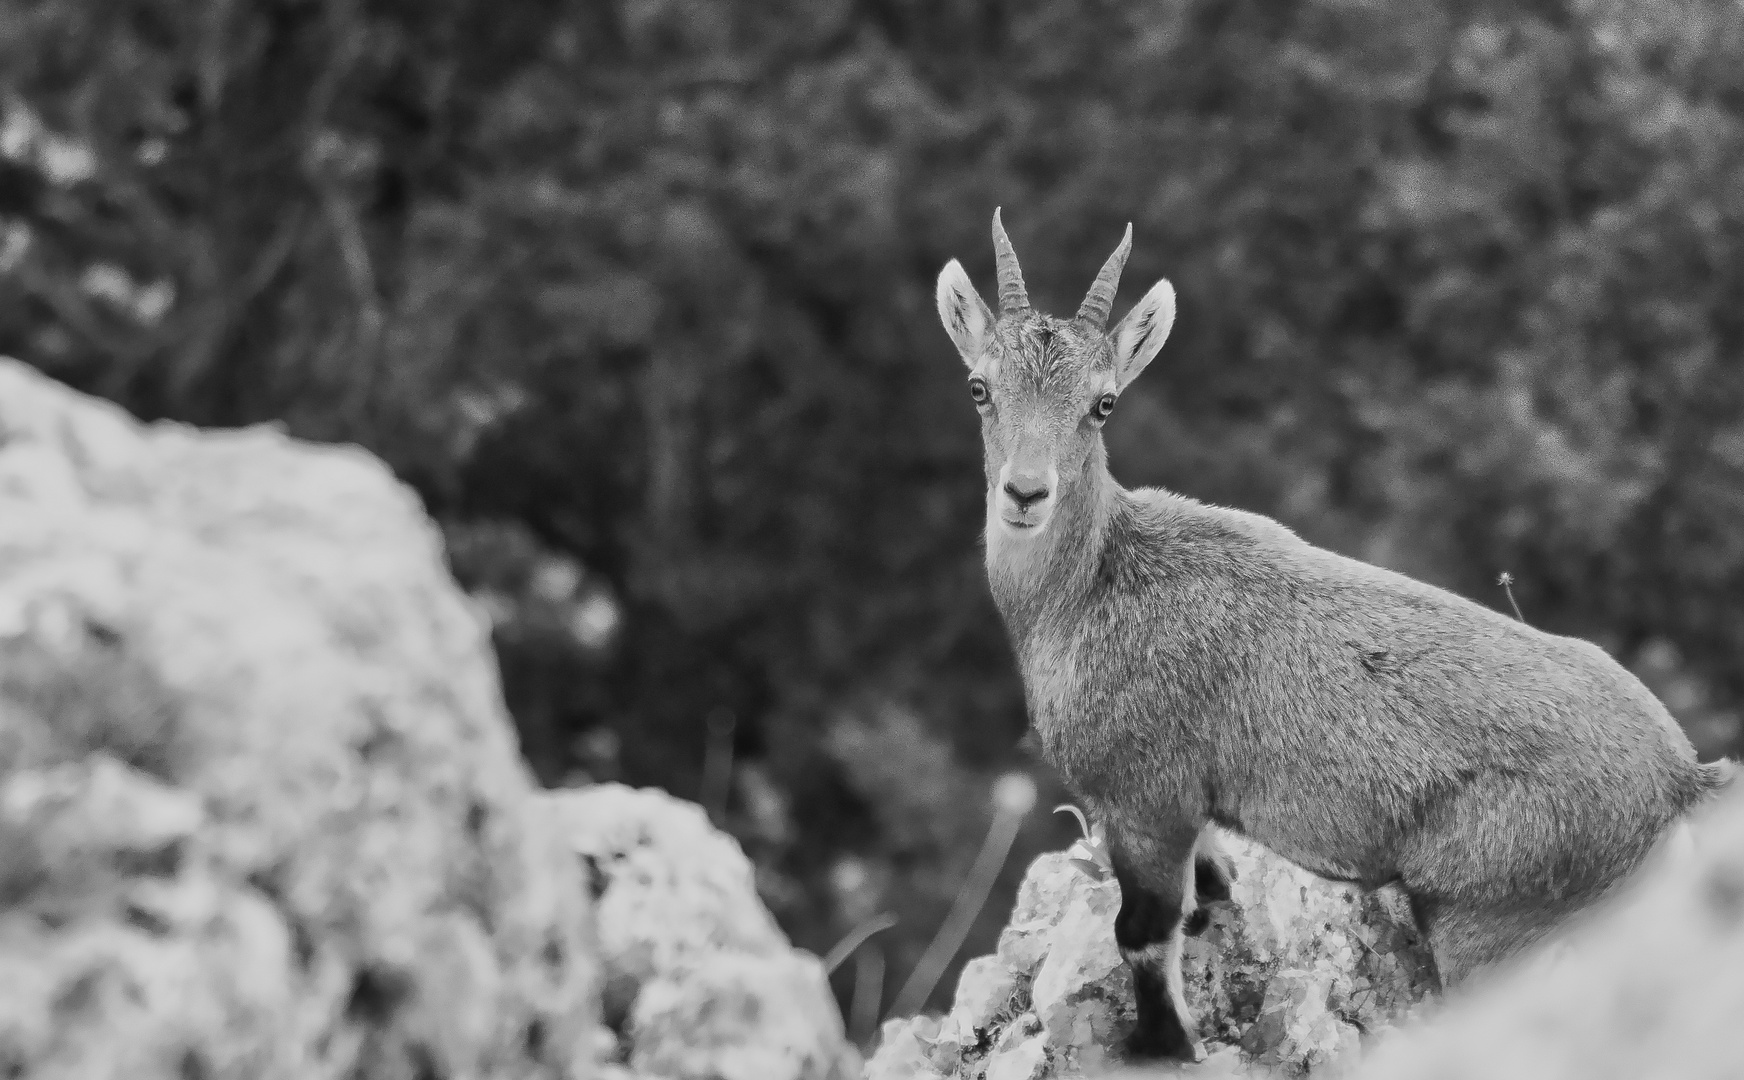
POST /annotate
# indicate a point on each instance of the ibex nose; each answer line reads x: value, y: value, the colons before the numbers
x: 1026, y: 489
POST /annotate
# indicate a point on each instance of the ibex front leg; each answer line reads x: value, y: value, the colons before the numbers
x: 1156, y: 874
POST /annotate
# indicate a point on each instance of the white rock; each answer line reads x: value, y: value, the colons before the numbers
x: 1649, y: 988
x: 905, y: 1051
x: 984, y: 988
x: 263, y: 813
x: 738, y: 1016
x: 1024, y: 1057
x: 697, y: 973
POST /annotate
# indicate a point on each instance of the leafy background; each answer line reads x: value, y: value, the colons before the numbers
x: 637, y: 294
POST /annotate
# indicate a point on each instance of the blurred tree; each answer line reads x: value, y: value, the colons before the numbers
x: 638, y: 295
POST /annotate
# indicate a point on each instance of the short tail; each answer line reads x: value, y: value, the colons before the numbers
x: 1717, y: 776
x: 1681, y: 841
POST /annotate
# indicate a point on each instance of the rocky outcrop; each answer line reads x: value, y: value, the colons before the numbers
x: 1289, y: 977
x: 1302, y: 976
x: 699, y: 980
x: 261, y: 809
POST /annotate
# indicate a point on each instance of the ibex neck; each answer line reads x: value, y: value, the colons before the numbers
x: 1035, y: 577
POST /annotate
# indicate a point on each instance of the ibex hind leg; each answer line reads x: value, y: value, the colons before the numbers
x: 1499, y: 863
x: 1154, y: 874
x: 1468, y: 939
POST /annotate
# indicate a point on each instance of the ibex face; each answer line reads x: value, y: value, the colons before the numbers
x: 1044, y: 386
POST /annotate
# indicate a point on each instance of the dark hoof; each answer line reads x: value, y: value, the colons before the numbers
x: 1148, y: 1046
x: 1196, y: 923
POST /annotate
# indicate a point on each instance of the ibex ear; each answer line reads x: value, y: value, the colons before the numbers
x: 1140, y: 335
x: 961, y: 309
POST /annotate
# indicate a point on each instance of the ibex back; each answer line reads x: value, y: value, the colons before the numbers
x: 1187, y: 665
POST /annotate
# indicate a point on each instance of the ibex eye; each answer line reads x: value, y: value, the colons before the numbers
x: 1105, y: 405
x: 978, y: 390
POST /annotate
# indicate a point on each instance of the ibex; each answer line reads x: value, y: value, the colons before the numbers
x: 1188, y: 665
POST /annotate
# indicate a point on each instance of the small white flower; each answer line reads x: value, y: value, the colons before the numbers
x: 555, y: 579
x: 153, y: 301
x: 849, y: 876
x: 1014, y: 794
x: 593, y: 621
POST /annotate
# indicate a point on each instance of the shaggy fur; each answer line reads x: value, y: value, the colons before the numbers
x: 1187, y: 664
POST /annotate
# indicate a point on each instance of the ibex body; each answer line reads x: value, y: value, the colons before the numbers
x: 1187, y: 665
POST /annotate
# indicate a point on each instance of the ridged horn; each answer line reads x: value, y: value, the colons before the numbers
x: 1012, y: 296
x: 1100, y: 300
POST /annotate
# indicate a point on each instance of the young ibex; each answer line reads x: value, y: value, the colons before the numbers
x: 1187, y: 665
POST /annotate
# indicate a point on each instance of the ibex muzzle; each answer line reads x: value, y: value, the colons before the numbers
x: 1188, y: 665
x: 1028, y: 489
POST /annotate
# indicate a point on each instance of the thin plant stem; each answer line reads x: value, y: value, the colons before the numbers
x: 1083, y: 822
x: 868, y: 994
x: 717, y: 766
x: 845, y: 947
x: 1506, y: 581
x: 951, y: 933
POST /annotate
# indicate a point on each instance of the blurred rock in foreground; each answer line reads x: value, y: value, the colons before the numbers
x: 1651, y: 989
x: 1289, y: 977
x: 261, y: 809
x: 699, y: 979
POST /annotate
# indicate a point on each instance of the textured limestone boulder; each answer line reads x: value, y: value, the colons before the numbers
x: 1651, y: 988
x: 261, y: 809
x: 1290, y: 977
x: 699, y: 979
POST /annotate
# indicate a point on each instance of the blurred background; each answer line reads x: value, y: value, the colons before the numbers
x: 637, y: 294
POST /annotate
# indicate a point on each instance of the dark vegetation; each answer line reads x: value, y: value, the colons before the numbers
x: 638, y: 295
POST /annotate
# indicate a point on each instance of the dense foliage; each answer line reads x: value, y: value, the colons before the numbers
x: 638, y: 294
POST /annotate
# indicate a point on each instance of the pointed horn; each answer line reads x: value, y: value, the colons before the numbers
x: 1100, y: 300
x: 1012, y: 297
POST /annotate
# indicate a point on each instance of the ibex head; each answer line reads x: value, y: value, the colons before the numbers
x: 1044, y: 386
